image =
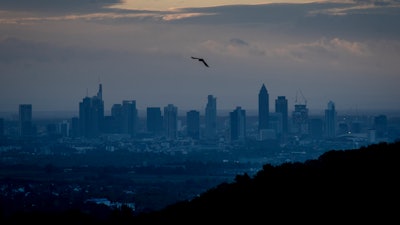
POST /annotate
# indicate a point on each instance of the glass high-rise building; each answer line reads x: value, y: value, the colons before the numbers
x: 193, y: 124
x: 154, y: 120
x: 263, y: 108
x: 91, y: 115
x: 237, y: 124
x: 211, y: 118
x: 129, y: 117
x: 115, y: 124
x: 281, y: 106
x: 330, y: 120
x: 300, y: 119
x: 170, y: 121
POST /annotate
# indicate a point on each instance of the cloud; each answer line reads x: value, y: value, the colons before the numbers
x: 354, y: 48
x: 179, y: 16
x: 87, y: 10
x: 235, y: 47
x: 22, y: 12
x: 238, y: 42
x: 311, y: 17
x: 328, y: 49
x: 321, y: 49
x: 377, y: 2
x: 361, y: 7
x: 136, y: 51
x: 55, y: 6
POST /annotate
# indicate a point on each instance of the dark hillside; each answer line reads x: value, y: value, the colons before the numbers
x: 347, y: 186
x: 340, y: 186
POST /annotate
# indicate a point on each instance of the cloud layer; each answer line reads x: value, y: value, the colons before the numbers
x: 344, y: 51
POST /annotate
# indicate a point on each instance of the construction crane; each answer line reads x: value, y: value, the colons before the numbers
x: 302, y: 96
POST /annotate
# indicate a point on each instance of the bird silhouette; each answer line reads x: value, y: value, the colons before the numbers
x: 201, y: 60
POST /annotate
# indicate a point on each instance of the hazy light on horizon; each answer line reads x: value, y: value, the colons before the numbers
x: 176, y: 4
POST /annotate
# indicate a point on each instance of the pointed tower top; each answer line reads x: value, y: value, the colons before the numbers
x: 263, y: 88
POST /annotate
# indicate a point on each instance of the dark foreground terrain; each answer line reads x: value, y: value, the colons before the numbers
x: 341, y: 186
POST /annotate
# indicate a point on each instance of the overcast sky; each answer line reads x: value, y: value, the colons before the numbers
x: 53, y: 53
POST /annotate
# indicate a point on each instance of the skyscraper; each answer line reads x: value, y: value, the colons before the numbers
x: 154, y: 120
x: 129, y: 117
x: 116, y: 123
x: 300, y: 119
x: 193, y: 124
x: 170, y: 121
x: 263, y: 108
x: 25, y: 120
x: 237, y: 124
x: 330, y: 120
x: 281, y: 106
x: 211, y: 118
x: 91, y: 115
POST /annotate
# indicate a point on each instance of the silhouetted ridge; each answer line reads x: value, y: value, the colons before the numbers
x: 340, y: 186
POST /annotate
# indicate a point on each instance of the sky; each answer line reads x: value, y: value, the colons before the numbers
x: 53, y: 53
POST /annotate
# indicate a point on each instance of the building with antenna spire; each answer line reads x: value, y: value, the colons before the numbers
x: 91, y: 115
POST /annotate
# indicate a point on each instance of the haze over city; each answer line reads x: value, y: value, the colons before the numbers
x: 54, y: 53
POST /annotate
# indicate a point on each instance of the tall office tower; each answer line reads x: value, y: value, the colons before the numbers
x: 25, y: 120
x: 98, y: 111
x: 281, y: 106
x: 263, y: 109
x: 129, y: 117
x: 210, y: 131
x: 116, y: 110
x: 300, y: 119
x: 170, y: 121
x: 154, y: 121
x: 330, y: 120
x: 91, y: 115
x: 86, y: 123
x: 116, y: 123
x: 237, y: 124
x: 193, y: 124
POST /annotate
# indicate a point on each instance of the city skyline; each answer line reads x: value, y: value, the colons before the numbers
x: 202, y: 109
x: 53, y: 54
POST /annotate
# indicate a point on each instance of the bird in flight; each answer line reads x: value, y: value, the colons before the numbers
x: 201, y: 60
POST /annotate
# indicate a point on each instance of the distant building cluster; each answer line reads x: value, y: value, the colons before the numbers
x: 269, y: 125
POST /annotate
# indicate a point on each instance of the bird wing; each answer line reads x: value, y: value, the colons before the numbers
x: 204, y: 62
x: 201, y: 60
